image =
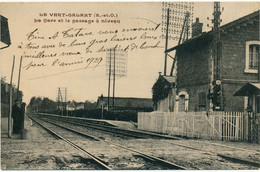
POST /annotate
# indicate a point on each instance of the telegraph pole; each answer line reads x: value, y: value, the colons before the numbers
x: 114, y: 80
x: 19, y: 76
x: 182, y: 38
x: 58, y: 99
x: 166, y: 42
x: 216, y: 41
x: 109, y: 75
x: 11, y: 102
x: 216, y: 50
x: 258, y: 66
x: 66, y: 101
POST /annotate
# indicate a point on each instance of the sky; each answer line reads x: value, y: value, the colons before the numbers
x: 63, y: 45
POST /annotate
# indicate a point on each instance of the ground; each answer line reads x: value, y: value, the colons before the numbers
x: 40, y: 151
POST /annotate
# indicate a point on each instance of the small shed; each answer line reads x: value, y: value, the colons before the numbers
x: 252, y: 91
x: 164, y: 93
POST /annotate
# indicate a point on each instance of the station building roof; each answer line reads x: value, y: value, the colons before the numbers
x: 207, y: 36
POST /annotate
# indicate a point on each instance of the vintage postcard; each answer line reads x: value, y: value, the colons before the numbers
x: 146, y: 85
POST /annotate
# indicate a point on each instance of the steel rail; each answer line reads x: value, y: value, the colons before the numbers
x: 147, y: 156
x: 140, y: 132
x: 105, y: 129
x: 234, y: 159
x: 121, y: 129
x: 228, y: 157
x: 97, y: 160
x: 73, y: 130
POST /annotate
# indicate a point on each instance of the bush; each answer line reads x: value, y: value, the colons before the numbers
x: 4, y: 110
x: 120, y: 115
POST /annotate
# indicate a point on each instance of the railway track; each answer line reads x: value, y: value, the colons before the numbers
x: 152, y: 159
x: 97, y: 161
x: 193, y: 145
x: 109, y: 128
x: 198, y: 145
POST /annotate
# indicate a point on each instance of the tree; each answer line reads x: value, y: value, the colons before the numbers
x: 5, y: 96
x: 38, y: 104
x: 89, y: 105
x: 31, y: 106
x: 5, y: 91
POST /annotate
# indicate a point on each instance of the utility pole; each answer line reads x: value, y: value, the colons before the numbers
x: 114, y: 80
x: 58, y: 99
x: 182, y: 38
x: 109, y: 74
x: 62, y: 103
x: 11, y: 102
x: 19, y: 76
x: 258, y: 65
x: 216, y: 50
x: 216, y: 22
x: 166, y: 42
x: 102, y: 102
x: 66, y: 101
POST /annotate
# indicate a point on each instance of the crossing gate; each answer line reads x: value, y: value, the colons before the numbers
x: 234, y: 126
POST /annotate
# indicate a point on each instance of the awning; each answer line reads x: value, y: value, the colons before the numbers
x: 248, y: 89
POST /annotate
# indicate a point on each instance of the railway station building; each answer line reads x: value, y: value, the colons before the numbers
x: 239, y: 63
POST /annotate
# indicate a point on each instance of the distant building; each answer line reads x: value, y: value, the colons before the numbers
x: 126, y: 103
x: 79, y: 106
x: 75, y: 105
x: 238, y: 64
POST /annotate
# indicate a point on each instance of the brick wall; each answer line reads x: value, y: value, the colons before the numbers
x: 193, y: 66
x: 193, y: 72
x: 193, y: 92
x: 234, y: 51
x: 231, y: 102
x: 233, y: 63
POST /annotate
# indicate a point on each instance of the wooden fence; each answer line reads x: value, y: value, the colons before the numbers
x: 213, y: 125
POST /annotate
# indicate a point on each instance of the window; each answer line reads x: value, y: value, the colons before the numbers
x: 252, y: 55
x: 202, y: 101
x: 182, y: 103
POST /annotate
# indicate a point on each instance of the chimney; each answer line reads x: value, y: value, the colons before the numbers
x: 196, y: 28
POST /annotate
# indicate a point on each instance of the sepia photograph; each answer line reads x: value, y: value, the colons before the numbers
x: 121, y: 85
